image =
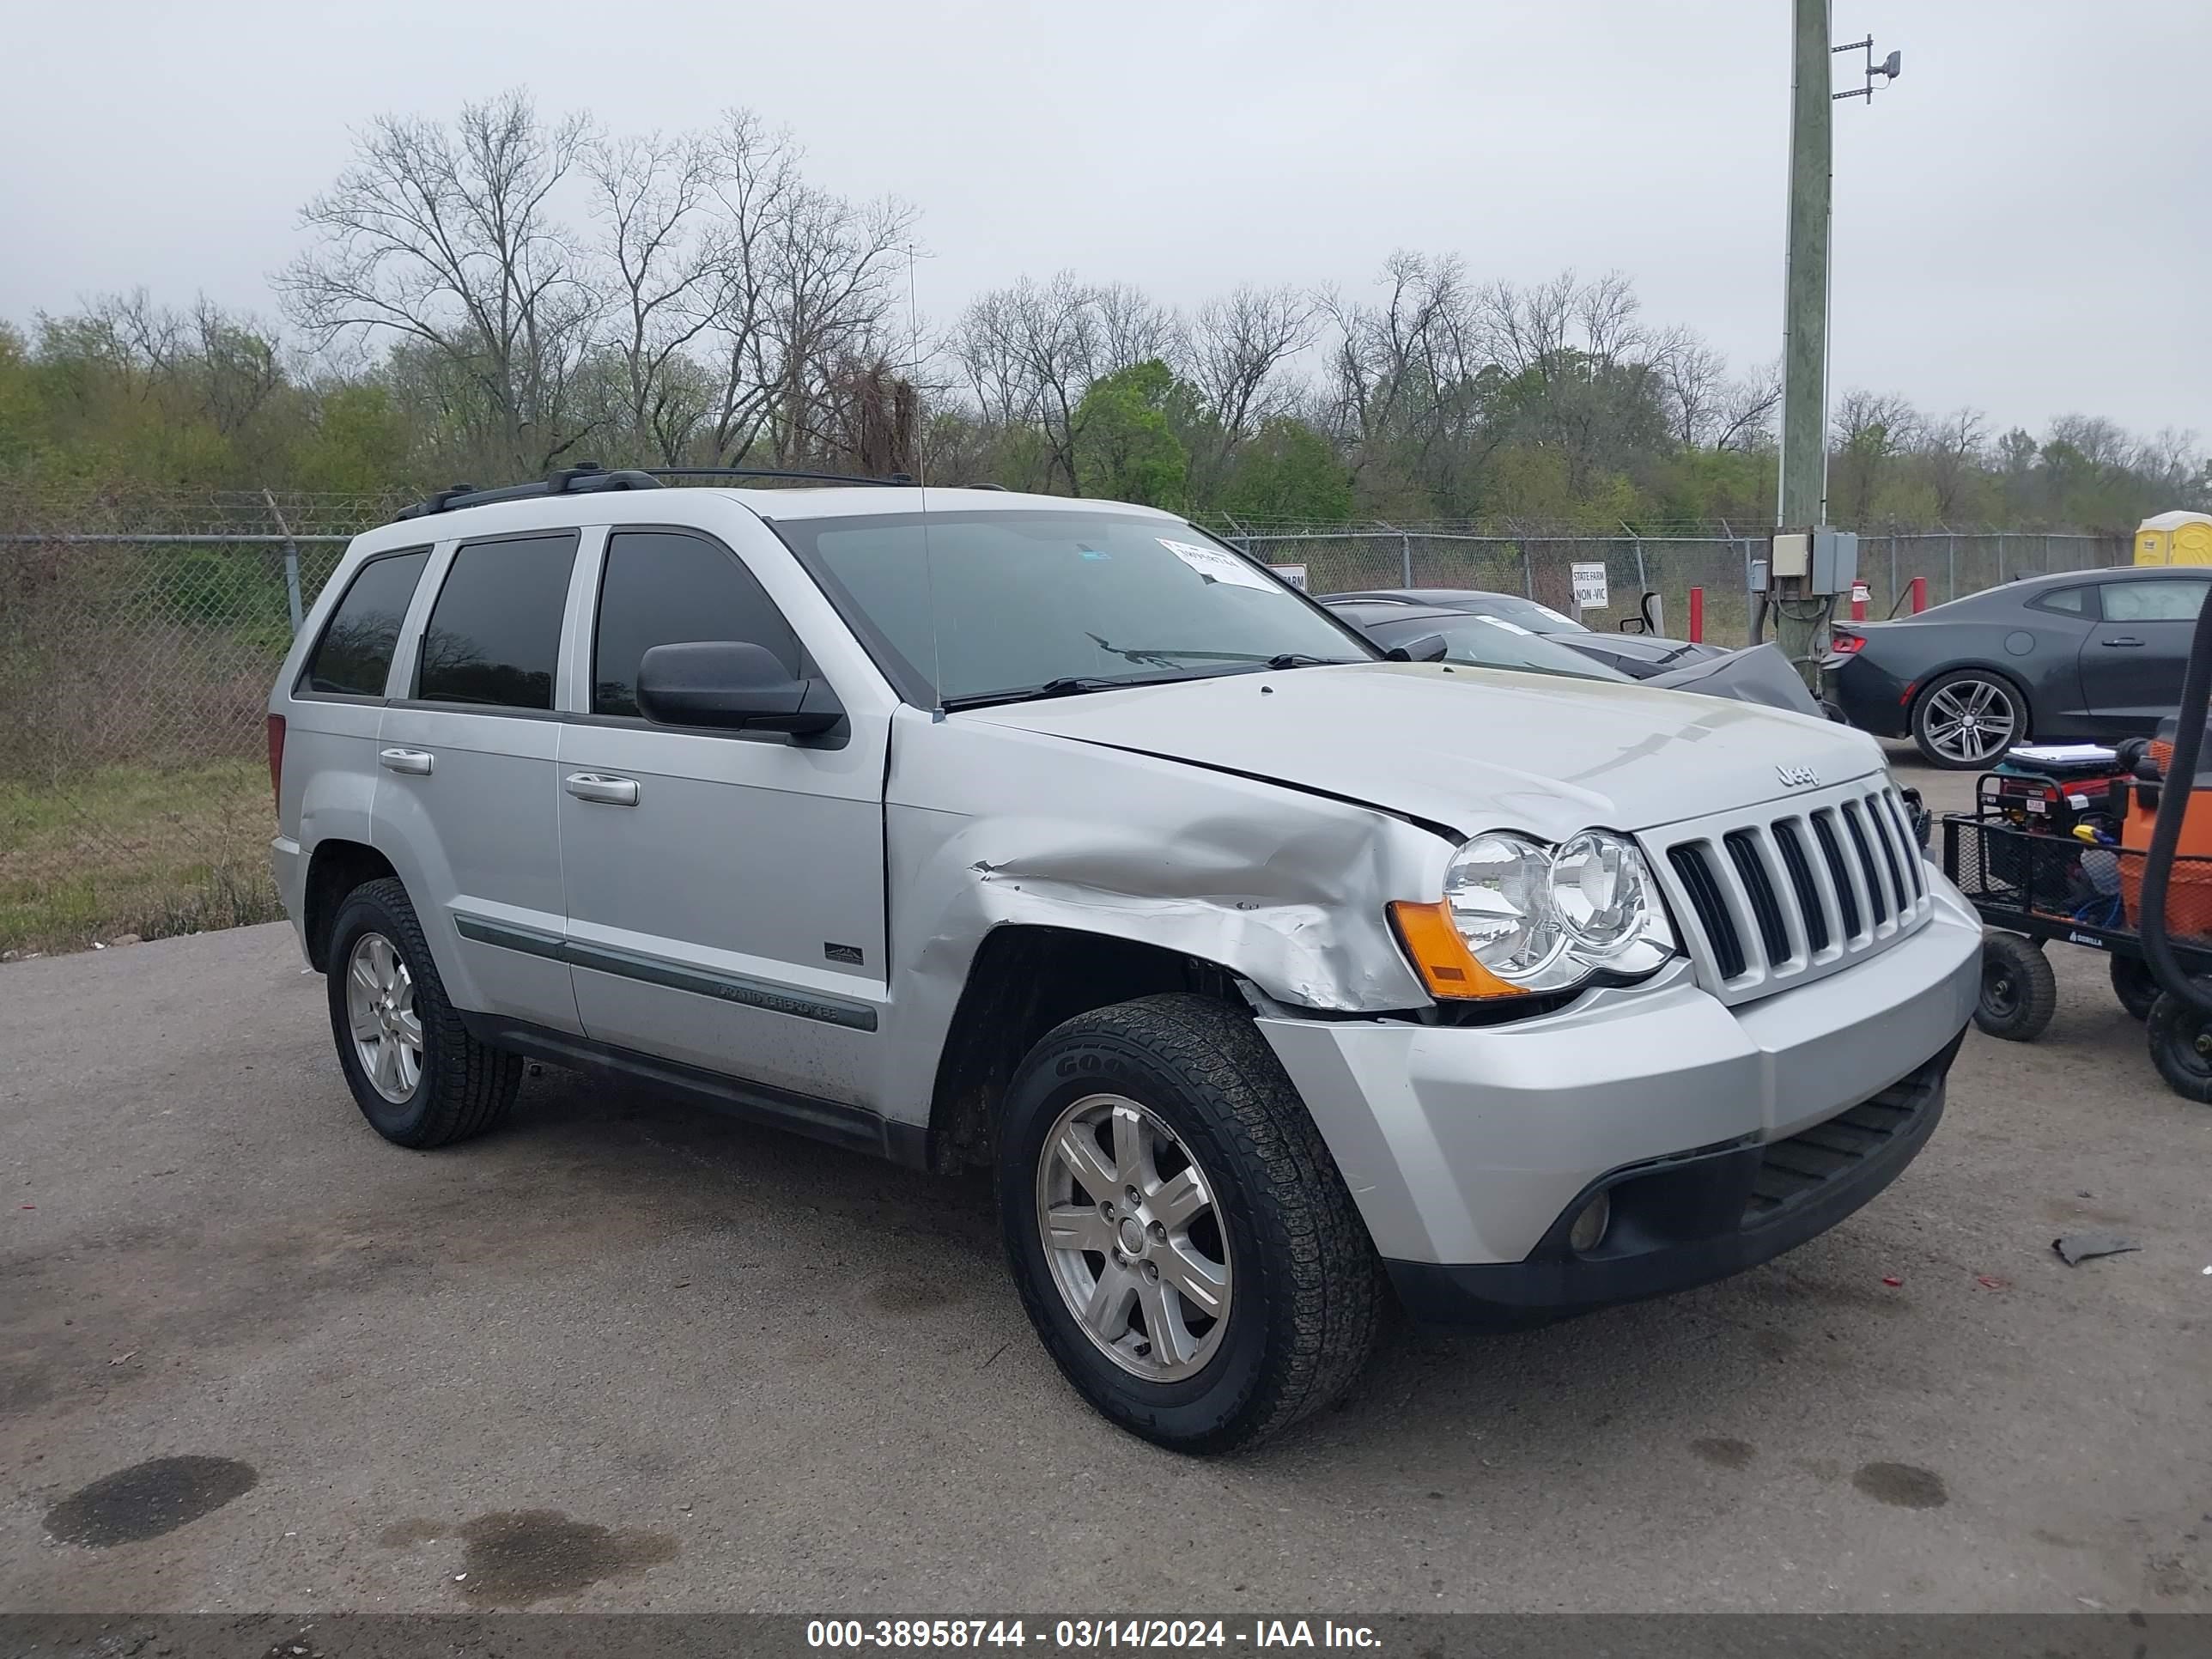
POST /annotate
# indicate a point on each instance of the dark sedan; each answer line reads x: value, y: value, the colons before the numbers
x: 2085, y: 654
x: 1639, y: 656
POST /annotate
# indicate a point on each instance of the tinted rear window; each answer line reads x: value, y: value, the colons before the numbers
x: 2068, y: 601
x: 495, y: 635
x: 355, y: 654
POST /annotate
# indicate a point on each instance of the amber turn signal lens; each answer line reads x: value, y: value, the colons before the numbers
x: 1440, y: 956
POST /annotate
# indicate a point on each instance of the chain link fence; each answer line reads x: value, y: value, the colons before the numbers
x: 1539, y: 565
x: 139, y: 636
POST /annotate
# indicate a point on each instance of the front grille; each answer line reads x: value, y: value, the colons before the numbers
x: 1766, y: 909
x: 1801, y: 883
x: 1691, y: 865
x: 1792, y: 1170
x: 1787, y: 897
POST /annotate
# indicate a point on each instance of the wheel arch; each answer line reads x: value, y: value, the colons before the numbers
x: 335, y: 869
x: 1024, y: 979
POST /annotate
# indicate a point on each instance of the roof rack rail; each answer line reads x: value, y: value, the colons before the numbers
x: 896, y: 479
x: 581, y: 478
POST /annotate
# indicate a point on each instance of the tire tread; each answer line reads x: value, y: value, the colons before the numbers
x: 1337, y: 1290
x: 472, y: 1084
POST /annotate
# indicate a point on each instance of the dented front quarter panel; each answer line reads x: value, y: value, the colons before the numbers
x: 987, y: 826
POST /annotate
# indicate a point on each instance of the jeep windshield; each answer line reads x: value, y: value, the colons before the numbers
x: 961, y: 609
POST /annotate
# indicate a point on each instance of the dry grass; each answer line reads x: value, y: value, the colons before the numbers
x: 134, y: 850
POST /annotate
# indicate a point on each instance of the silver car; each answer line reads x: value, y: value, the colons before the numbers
x: 1270, y: 977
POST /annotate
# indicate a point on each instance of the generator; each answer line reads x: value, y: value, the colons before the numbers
x: 2133, y: 801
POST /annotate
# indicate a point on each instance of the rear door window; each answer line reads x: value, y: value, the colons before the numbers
x: 668, y: 588
x: 354, y: 656
x: 2158, y: 601
x: 494, y: 633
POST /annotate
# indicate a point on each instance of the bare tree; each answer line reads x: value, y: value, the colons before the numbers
x: 1584, y: 373
x: 1135, y: 328
x: 800, y: 286
x: 1952, y: 449
x: 1871, y: 429
x: 1241, y: 346
x: 1030, y: 353
x: 833, y: 266
x: 755, y: 183
x: 1402, y: 371
x: 1747, y: 408
x: 651, y: 196
x: 1694, y: 378
x: 450, y: 240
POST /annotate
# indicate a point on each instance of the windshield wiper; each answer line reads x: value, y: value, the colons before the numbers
x: 1068, y: 685
x: 1169, y: 654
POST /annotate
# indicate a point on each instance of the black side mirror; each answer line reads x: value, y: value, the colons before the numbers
x: 1430, y: 647
x: 734, y: 686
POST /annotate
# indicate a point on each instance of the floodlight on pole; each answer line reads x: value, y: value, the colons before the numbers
x: 1887, y: 69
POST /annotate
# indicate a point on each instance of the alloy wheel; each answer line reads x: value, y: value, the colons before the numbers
x: 387, y: 1033
x: 1970, y: 721
x: 1133, y: 1237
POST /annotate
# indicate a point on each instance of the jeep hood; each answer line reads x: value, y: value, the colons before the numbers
x: 1466, y: 748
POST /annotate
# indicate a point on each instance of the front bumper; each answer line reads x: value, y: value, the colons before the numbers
x: 1470, y: 1149
x: 1686, y: 1221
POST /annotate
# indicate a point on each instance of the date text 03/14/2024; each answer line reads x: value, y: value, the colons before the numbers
x: 1083, y: 1635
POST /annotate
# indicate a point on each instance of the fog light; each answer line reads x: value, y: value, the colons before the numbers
x: 1588, y: 1229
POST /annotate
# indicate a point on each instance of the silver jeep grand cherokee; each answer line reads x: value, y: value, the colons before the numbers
x: 1269, y: 975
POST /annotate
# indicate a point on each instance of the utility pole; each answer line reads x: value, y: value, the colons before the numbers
x: 1800, y: 620
x: 1806, y: 564
x: 1804, y: 484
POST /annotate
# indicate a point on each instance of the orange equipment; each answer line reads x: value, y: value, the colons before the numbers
x: 2189, y: 890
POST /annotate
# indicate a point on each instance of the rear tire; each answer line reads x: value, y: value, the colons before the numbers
x: 2181, y: 1048
x: 2019, y: 993
x: 1098, y: 1108
x: 2134, y: 986
x: 418, y: 1075
x: 1967, y: 719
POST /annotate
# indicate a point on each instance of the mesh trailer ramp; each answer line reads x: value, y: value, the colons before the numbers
x: 2032, y: 886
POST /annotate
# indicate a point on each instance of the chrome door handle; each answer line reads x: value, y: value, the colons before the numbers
x: 2110, y: 643
x: 413, y: 762
x: 607, y: 792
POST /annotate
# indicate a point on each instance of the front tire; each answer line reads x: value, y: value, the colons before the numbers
x: 1967, y: 719
x: 418, y: 1075
x: 1181, y: 1237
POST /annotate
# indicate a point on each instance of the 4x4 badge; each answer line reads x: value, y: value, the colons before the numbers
x: 1797, y: 777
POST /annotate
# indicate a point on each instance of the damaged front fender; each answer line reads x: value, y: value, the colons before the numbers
x: 1287, y: 889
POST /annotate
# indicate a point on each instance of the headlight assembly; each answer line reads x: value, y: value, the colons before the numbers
x: 1519, y: 916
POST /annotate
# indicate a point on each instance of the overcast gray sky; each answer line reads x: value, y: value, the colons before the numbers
x: 2021, y: 222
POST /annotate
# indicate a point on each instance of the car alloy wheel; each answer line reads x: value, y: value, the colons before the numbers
x: 1970, y: 721
x: 387, y: 1033
x: 1134, y: 1238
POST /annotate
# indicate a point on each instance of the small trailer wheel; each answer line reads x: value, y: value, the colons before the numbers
x: 2133, y: 985
x: 2019, y: 993
x: 2181, y: 1048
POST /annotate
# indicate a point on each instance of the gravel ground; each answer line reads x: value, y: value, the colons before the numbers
x: 625, y: 1355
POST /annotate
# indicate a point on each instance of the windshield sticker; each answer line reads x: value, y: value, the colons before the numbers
x: 1510, y: 627
x: 1216, y: 564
